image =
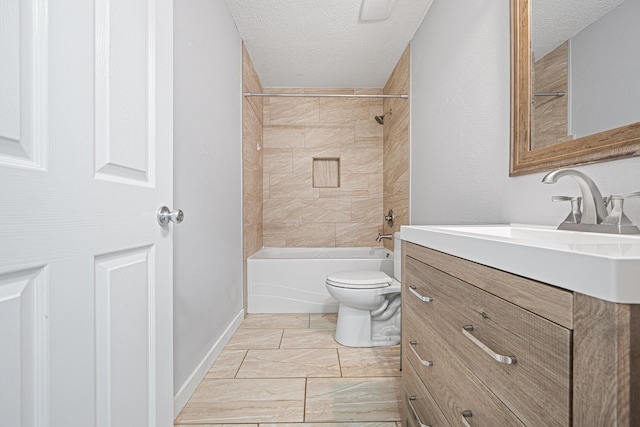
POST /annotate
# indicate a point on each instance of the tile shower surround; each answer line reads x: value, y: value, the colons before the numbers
x: 297, y: 130
x: 285, y: 370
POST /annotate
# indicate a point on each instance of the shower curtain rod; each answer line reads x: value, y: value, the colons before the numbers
x: 324, y: 95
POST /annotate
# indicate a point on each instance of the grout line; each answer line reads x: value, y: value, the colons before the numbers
x: 339, y: 363
x: 246, y: 353
x: 304, y: 401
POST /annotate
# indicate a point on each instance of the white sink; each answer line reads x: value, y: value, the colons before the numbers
x: 604, y: 266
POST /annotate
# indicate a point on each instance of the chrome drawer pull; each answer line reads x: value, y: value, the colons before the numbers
x: 415, y: 414
x: 465, y: 415
x: 412, y: 289
x: 424, y: 362
x: 509, y: 360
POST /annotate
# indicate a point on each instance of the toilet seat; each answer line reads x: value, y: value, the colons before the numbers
x: 362, y: 279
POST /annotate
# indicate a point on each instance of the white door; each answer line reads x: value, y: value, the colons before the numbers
x: 85, y: 162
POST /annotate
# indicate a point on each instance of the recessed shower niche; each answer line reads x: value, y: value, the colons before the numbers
x: 326, y: 172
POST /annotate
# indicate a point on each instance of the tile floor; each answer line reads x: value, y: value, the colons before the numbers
x: 286, y: 370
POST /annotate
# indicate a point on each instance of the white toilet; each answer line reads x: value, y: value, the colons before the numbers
x: 369, y: 312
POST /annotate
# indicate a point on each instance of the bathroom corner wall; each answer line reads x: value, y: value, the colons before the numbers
x: 297, y: 130
x: 252, y: 161
x: 396, y: 148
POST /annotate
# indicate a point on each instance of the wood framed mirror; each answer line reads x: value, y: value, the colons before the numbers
x: 576, y: 146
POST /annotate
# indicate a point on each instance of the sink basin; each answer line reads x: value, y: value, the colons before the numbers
x: 605, y: 266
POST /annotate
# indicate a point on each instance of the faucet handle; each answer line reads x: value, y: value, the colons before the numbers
x: 625, y: 196
x: 575, y: 215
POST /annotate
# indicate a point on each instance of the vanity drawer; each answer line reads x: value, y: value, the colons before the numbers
x: 453, y: 386
x: 474, y: 323
x: 418, y: 402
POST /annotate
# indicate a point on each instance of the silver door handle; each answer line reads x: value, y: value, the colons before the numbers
x: 422, y: 361
x: 415, y: 413
x: 165, y: 216
x: 466, y: 414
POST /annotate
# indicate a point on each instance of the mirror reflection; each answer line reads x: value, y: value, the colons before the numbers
x: 585, y: 68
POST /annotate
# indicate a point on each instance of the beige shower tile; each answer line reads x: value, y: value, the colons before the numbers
x: 292, y: 111
x: 342, y: 110
x: 367, y: 210
x: 282, y: 210
x: 368, y: 128
x: 252, y: 212
x: 291, y: 186
x: 326, y: 210
x: 274, y: 235
x: 276, y: 321
x: 252, y: 240
x: 351, y: 185
x: 291, y: 363
x: 368, y: 160
x: 309, y: 338
x: 227, y: 364
x: 370, y: 362
x: 375, y: 185
x: 334, y: 135
x: 357, y: 234
x: 353, y: 399
x: 321, y: 235
x: 247, y: 338
x: 278, y: 160
x: 303, y: 158
x: 283, y: 137
x: 245, y: 400
x: 323, y: 320
x: 369, y: 142
x: 356, y: 424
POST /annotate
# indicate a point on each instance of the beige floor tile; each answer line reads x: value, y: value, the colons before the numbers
x: 245, y: 401
x: 358, y: 424
x: 323, y: 320
x: 370, y: 362
x: 352, y: 399
x: 227, y: 364
x: 276, y: 321
x: 250, y: 338
x: 222, y: 425
x: 309, y: 338
x: 293, y: 363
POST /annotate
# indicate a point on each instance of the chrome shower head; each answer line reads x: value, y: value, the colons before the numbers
x: 380, y: 119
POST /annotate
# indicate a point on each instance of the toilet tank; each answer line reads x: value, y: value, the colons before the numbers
x: 397, y: 256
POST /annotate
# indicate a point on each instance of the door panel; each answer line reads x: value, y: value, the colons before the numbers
x: 85, y: 269
x: 24, y: 338
x: 125, y: 305
x: 22, y: 83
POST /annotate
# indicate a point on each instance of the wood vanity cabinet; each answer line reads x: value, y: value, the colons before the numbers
x: 483, y: 347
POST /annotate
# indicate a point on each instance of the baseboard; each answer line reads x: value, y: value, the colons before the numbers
x: 186, y: 390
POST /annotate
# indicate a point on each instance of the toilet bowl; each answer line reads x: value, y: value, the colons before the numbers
x: 369, y: 312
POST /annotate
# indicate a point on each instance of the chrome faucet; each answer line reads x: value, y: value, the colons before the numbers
x: 594, y: 216
x: 383, y: 236
x: 593, y: 209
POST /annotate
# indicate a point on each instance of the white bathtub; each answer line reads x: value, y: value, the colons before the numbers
x: 292, y: 280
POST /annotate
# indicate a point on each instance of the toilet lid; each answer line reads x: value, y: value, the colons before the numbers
x: 362, y: 279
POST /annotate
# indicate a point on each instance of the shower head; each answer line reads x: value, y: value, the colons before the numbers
x: 380, y: 119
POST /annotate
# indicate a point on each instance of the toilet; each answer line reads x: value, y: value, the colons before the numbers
x: 369, y: 312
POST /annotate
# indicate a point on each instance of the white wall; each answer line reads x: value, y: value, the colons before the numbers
x: 207, y: 183
x: 460, y: 94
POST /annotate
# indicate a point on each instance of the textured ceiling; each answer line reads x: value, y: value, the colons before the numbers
x: 322, y: 43
x: 554, y: 22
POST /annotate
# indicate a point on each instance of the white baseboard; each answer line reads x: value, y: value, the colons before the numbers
x: 186, y: 390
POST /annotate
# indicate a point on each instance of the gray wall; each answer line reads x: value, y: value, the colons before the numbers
x: 460, y: 94
x: 605, y: 71
x: 207, y: 179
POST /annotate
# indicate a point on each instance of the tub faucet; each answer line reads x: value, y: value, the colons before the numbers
x: 383, y: 236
